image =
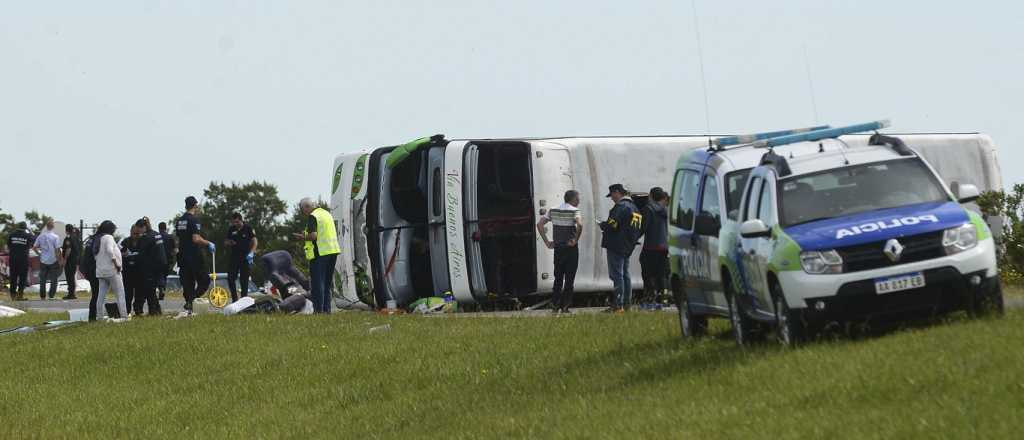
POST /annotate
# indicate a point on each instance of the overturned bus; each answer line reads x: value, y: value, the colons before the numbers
x: 436, y: 216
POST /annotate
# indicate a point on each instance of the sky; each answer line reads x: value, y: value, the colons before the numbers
x: 115, y: 110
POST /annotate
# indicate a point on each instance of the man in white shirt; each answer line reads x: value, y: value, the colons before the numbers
x: 567, y: 226
x: 48, y: 246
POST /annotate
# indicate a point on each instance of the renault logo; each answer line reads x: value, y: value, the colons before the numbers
x: 893, y: 249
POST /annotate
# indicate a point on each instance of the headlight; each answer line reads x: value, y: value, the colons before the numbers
x: 959, y: 239
x: 821, y: 262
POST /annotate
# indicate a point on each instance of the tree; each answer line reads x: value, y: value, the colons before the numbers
x: 37, y: 220
x: 1009, y: 206
x: 260, y: 206
x: 6, y: 226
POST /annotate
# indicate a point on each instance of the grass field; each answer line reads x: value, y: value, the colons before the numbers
x: 582, y: 376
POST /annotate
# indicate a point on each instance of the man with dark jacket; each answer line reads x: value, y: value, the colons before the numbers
x: 88, y: 268
x: 619, y: 236
x: 18, y: 244
x: 170, y: 250
x: 654, y: 255
x: 153, y: 260
x: 69, y: 255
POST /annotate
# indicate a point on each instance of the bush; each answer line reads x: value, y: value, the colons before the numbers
x: 1010, y: 246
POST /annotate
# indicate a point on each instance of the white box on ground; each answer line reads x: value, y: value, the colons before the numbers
x: 78, y: 314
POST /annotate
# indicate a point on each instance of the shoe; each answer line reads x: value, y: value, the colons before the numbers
x: 69, y: 297
x: 184, y: 314
x: 566, y: 311
x: 620, y: 311
x: 118, y: 320
x: 609, y: 310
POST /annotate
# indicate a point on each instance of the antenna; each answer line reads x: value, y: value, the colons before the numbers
x: 700, y: 59
x: 810, y: 85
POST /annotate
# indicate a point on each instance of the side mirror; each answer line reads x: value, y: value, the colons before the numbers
x: 966, y: 193
x: 754, y: 229
x: 706, y: 224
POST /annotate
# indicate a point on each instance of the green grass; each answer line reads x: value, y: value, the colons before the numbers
x: 573, y: 377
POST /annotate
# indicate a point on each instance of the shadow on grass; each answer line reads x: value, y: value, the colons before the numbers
x: 669, y: 358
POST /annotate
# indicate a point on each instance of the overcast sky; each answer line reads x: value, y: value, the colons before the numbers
x: 121, y: 109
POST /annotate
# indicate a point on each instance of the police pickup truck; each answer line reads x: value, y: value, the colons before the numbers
x: 831, y: 228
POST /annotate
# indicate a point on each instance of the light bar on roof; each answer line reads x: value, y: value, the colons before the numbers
x: 748, y: 138
x: 818, y: 135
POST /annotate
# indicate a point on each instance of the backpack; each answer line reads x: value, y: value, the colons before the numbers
x: 87, y: 262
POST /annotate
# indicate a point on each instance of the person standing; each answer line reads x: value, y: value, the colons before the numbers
x: 654, y: 254
x: 18, y: 244
x: 88, y: 267
x: 322, y: 249
x: 132, y: 268
x: 170, y: 250
x: 48, y: 247
x: 108, y: 271
x: 566, y: 228
x: 191, y: 267
x: 242, y: 241
x: 152, y: 261
x: 70, y: 252
x: 619, y: 235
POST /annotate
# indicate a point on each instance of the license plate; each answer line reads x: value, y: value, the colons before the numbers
x: 899, y: 282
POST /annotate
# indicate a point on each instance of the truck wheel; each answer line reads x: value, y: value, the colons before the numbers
x: 789, y: 329
x: 988, y: 303
x: 691, y: 326
x: 742, y: 326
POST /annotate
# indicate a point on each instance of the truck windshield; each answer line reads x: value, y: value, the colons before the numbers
x: 856, y: 189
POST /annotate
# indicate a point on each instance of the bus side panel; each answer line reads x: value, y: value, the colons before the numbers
x: 454, y: 223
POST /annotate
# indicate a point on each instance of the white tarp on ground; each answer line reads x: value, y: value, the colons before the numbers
x: 62, y: 287
x: 6, y: 312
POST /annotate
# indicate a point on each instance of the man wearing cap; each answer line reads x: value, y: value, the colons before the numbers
x: 619, y: 236
x: 18, y: 244
x: 191, y: 268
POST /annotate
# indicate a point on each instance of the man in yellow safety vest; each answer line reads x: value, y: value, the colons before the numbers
x: 321, y: 242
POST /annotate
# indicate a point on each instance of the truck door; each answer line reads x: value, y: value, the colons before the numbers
x: 755, y: 252
x: 706, y: 228
x: 686, y: 190
x: 436, y: 221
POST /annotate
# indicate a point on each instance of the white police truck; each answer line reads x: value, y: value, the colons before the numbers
x: 856, y: 231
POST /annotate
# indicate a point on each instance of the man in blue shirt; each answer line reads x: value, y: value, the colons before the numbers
x: 48, y: 246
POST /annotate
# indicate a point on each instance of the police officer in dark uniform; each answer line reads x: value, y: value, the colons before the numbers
x: 70, y: 251
x: 241, y: 239
x: 18, y: 244
x: 132, y: 272
x: 191, y: 267
x: 153, y: 261
x: 170, y: 250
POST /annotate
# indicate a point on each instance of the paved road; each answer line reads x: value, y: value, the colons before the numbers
x: 59, y: 305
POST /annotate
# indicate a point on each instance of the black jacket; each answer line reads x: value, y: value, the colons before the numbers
x: 144, y: 257
x: 655, y: 226
x: 623, y: 228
